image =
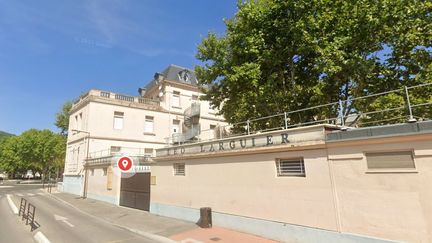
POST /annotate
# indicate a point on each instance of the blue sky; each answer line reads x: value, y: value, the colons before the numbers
x: 52, y: 51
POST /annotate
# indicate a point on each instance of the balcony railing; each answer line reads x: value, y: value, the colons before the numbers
x: 193, y: 110
x: 113, y: 96
x: 140, y: 155
x: 187, y: 135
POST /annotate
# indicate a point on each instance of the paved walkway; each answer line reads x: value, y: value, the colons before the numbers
x: 144, y: 223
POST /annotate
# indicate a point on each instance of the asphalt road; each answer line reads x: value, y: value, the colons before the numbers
x: 57, y: 222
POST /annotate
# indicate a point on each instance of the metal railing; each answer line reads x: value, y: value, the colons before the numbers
x: 119, y: 152
x: 407, y: 104
x: 27, y: 212
x: 193, y: 110
x: 190, y: 133
x: 80, y: 98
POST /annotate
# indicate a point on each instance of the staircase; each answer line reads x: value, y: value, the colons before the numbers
x: 191, y: 124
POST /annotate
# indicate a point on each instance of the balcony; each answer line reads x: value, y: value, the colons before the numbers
x: 110, y: 156
x: 114, y: 98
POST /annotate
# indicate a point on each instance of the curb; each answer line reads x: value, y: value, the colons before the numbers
x: 151, y: 236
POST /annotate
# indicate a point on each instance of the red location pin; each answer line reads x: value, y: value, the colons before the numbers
x: 124, y: 164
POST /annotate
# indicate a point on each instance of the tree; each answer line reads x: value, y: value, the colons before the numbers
x: 62, y: 118
x: 37, y: 150
x: 43, y: 150
x: 4, y: 135
x: 284, y: 55
x: 10, y: 157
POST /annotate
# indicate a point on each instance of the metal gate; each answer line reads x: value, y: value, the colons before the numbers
x: 135, y: 191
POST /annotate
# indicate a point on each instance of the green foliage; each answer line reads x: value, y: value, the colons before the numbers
x: 62, y: 118
x: 36, y: 150
x: 4, y: 135
x: 284, y: 55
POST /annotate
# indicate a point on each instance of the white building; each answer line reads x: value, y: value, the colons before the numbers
x: 104, y: 124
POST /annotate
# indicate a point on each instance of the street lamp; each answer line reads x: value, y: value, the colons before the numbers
x: 87, y: 156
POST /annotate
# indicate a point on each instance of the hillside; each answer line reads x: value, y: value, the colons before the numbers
x: 4, y: 135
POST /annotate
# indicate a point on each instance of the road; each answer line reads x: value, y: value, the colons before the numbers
x: 57, y: 222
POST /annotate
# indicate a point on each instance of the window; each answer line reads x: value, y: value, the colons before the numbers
x: 92, y: 172
x: 212, y: 131
x: 118, y: 120
x: 184, y: 76
x: 290, y: 167
x: 176, y: 99
x: 176, y: 126
x: 194, y: 97
x: 148, y: 151
x: 149, y: 126
x: 390, y: 160
x: 179, y: 169
x: 80, y: 126
x: 105, y: 171
x: 76, y: 122
x: 78, y: 155
x: 115, y: 149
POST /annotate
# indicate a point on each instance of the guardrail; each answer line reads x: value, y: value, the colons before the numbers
x: 407, y: 104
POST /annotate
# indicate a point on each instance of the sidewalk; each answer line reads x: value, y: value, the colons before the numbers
x: 162, y: 229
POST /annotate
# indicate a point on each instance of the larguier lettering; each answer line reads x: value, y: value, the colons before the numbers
x: 267, y: 140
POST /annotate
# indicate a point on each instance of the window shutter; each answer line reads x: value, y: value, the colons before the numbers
x: 390, y: 160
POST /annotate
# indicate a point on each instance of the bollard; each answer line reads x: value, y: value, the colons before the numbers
x: 205, y: 220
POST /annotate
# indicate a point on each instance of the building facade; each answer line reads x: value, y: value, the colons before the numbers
x: 291, y: 182
x: 104, y: 125
x: 307, y: 184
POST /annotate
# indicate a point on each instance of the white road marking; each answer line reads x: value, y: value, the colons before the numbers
x: 190, y: 240
x: 12, y: 204
x: 19, y: 194
x: 63, y: 219
x: 39, y: 237
x: 40, y: 193
x: 6, y: 186
x: 30, y: 194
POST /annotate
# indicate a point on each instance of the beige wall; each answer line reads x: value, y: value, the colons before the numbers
x: 248, y: 185
x: 338, y: 193
x: 98, y: 182
x: 186, y: 100
x: 387, y: 204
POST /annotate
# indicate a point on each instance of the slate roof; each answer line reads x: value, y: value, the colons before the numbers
x: 175, y: 73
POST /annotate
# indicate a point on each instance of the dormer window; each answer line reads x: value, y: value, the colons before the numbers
x: 184, y: 76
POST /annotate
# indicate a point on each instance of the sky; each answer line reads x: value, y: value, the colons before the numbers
x: 52, y: 51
